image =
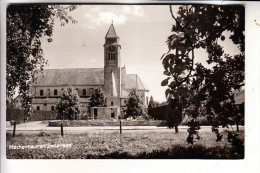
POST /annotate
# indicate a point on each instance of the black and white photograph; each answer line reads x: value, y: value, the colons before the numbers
x: 102, y: 81
x: 124, y: 82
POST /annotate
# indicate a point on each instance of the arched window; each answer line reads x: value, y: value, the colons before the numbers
x: 52, y: 108
x: 84, y: 92
x: 55, y: 92
x: 41, y: 92
x: 38, y: 108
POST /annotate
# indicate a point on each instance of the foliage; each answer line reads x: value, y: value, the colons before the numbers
x: 206, y: 90
x: 240, y: 119
x: 238, y: 144
x: 133, y: 105
x: 26, y: 25
x: 156, y: 103
x: 97, y: 99
x: 159, y: 112
x: 84, y: 112
x: 68, y: 106
x: 100, y: 123
x: 147, y: 117
x: 151, y: 103
x: 175, y: 152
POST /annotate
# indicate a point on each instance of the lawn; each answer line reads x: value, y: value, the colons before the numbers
x: 130, y: 144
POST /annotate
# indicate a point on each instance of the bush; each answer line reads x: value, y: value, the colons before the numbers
x: 202, y: 121
x: 81, y: 123
x: 176, y: 152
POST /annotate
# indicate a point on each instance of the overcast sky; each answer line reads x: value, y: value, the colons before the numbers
x: 143, y: 31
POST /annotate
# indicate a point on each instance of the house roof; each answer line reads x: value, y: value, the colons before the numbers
x: 124, y: 94
x: 77, y: 76
x: 84, y: 76
x: 133, y: 81
x: 111, y: 33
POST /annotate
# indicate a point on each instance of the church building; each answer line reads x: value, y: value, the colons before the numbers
x: 113, y: 79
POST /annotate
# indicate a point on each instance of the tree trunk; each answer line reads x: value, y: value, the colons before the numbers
x: 237, y: 128
x: 176, y: 129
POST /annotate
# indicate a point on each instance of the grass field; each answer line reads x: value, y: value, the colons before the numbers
x: 110, y: 144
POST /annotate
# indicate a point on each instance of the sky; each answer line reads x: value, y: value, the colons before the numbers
x: 143, y: 31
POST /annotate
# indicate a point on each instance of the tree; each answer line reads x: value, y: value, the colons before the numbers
x: 151, y: 103
x: 97, y: 99
x: 68, y: 106
x: 156, y: 103
x: 211, y: 87
x: 26, y: 25
x: 240, y: 120
x: 133, y: 105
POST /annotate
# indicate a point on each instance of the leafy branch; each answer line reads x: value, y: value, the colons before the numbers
x: 26, y: 24
x: 209, y: 89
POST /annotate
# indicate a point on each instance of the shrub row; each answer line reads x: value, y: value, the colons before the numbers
x: 176, y: 152
x: 19, y: 116
x: 202, y: 121
x: 80, y: 123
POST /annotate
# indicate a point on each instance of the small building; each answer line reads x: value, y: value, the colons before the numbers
x: 104, y: 113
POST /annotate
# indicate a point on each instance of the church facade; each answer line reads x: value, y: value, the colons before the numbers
x: 114, y: 81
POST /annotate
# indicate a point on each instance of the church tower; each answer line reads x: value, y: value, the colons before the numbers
x: 112, y: 72
x: 112, y: 48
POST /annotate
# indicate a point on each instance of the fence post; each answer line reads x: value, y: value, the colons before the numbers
x: 61, y: 128
x: 120, y: 127
x: 14, y: 128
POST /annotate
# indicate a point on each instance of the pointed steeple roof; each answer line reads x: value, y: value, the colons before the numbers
x: 111, y: 33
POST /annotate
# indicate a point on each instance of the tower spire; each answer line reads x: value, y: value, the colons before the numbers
x: 111, y: 33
